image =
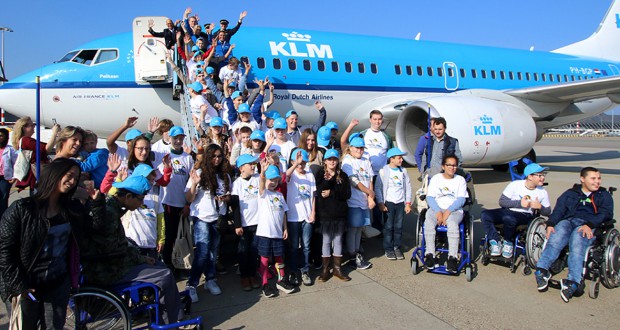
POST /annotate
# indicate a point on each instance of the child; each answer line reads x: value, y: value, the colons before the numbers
x: 271, y: 230
x: 301, y: 214
x: 281, y: 144
x: 360, y: 172
x: 242, y: 144
x: 93, y: 158
x: 393, y: 192
x: 244, y: 202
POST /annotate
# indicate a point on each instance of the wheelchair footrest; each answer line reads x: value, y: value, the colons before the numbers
x: 197, y: 321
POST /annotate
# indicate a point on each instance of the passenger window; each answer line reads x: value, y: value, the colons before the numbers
x: 348, y: 67
x: 360, y: 67
x: 106, y: 55
x: 572, y: 78
x: 519, y: 76
x: 321, y: 65
x: 429, y: 71
x: 373, y: 68
x: 565, y: 78
x: 397, y: 69
x: 277, y: 64
x: 483, y: 73
x: 543, y: 77
x: 419, y: 70
x: 527, y: 76
x: 334, y: 66
x: 502, y: 75
x: 535, y: 76
x: 409, y: 70
x: 307, y: 66
x: 474, y: 74
x: 559, y: 77
x: 511, y: 75
x: 493, y: 75
x: 440, y: 72
x: 260, y: 63
x: 292, y: 64
x: 463, y: 72
x: 85, y: 57
x: 550, y: 77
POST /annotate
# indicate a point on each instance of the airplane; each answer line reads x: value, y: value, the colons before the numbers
x: 498, y: 102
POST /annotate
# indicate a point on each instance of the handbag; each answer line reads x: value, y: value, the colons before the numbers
x: 225, y: 223
x: 183, y: 250
x: 22, y: 164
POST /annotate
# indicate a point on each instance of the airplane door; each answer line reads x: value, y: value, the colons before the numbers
x: 149, y: 52
x: 614, y: 70
x: 451, y: 76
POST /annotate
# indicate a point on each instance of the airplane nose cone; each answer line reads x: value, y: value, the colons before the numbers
x: 17, y: 100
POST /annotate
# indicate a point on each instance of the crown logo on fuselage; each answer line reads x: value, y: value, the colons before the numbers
x: 294, y: 36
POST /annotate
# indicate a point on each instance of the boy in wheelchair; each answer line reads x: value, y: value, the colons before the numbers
x: 578, y: 214
x: 518, y: 201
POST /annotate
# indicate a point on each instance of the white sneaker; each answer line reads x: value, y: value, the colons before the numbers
x: 213, y: 288
x: 192, y: 293
x: 507, y: 250
x: 495, y: 248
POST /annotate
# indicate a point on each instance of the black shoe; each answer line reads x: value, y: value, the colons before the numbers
x: 269, y: 291
x: 399, y: 254
x: 285, y: 287
x: 429, y: 261
x: 452, y: 265
x: 569, y: 288
x: 293, y: 279
x: 390, y: 254
x: 220, y: 268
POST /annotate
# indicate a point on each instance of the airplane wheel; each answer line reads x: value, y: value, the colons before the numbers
x: 469, y: 273
x: 415, y: 266
x: 594, y: 287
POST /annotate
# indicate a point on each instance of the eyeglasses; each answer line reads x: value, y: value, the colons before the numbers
x: 450, y: 165
x: 143, y: 149
x: 540, y: 175
x: 217, y: 156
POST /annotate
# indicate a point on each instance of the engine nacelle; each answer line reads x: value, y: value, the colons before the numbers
x: 489, y: 131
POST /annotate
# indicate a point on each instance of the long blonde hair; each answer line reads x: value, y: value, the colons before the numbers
x: 18, y: 130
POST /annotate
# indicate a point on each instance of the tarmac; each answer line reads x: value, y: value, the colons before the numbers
x: 388, y: 295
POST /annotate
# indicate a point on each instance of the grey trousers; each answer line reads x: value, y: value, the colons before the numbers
x: 453, y: 222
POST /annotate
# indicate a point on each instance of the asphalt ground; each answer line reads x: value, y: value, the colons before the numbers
x: 388, y: 295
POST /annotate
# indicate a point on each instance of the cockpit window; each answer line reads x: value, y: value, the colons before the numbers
x: 85, y: 56
x: 69, y: 56
x: 106, y: 55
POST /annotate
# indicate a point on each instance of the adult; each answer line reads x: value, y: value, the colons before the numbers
x: 578, y: 213
x: 441, y: 145
x: 7, y: 161
x: 518, y: 202
x: 169, y: 33
x: 294, y: 132
x: 230, y: 32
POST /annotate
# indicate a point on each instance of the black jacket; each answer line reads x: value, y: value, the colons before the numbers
x: 566, y: 206
x: 334, y: 207
x: 22, y: 235
x: 170, y: 37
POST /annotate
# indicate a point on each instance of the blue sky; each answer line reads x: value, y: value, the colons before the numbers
x: 46, y: 30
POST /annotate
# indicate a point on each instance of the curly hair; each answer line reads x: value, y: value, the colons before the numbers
x: 209, y: 174
x: 18, y: 130
x: 303, y: 144
x: 132, y: 161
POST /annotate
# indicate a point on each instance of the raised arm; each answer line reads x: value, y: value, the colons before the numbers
x: 111, y: 140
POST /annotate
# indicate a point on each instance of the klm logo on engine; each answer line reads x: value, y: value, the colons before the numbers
x: 299, y: 45
x: 487, y: 127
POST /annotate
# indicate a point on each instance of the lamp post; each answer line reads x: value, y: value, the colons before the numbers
x: 3, y: 29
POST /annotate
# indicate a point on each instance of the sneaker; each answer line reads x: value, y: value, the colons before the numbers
x: 390, y: 254
x: 568, y: 289
x: 542, y: 278
x: 429, y: 261
x: 294, y: 279
x: 245, y: 284
x: 192, y: 293
x: 495, y: 248
x: 507, y: 250
x: 305, y: 279
x: 399, y: 254
x: 452, y: 265
x: 213, y: 288
x: 269, y: 291
x: 220, y: 268
x: 360, y: 263
x: 285, y: 287
x: 255, y: 282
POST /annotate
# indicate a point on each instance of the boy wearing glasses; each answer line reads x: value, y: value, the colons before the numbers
x: 518, y: 202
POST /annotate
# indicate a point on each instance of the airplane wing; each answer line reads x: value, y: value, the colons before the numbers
x: 571, y: 92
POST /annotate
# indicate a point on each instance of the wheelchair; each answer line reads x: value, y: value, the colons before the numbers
x: 133, y: 306
x: 602, y: 258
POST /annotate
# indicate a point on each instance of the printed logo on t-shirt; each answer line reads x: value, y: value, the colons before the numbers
x: 275, y: 203
x: 445, y: 191
x: 251, y: 192
x: 396, y: 180
x: 304, y: 191
x: 362, y: 174
x: 178, y: 168
x: 373, y: 143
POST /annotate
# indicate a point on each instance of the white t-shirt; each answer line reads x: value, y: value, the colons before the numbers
x: 197, y: 102
x: 362, y: 170
x: 299, y: 194
x: 376, y: 149
x: 174, y: 193
x: 395, y: 184
x: 284, y: 152
x: 271, y: 210
x: 516, y: 190
x: 161, y: 147
x: 252, y: 124
x: 142, y: 227
x: 446, y: 191
x: 247, y: 190
x: 203, y: 207
x: 230, y: 74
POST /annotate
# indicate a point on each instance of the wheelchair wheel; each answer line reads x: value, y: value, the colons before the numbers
x: 469, y: 276
x: 415, y: 266
x: 526, y: 270
x: 419, y: 233
x: 535, y: 241
x: 594, y: 287
x: 94, y: 308
x: 610, y: 268
x: 470, y: 237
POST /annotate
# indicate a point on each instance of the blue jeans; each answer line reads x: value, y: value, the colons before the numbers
x: 206, y: 243
x: 247, y: 253
x: 566, y: 233
x: 297, y: 230
x: 393, y: 226
x: 510, y: 219
x: 5, y: 191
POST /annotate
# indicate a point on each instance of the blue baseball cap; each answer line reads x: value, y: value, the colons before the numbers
x: 216, y: 122
x: 323, y: 136
x: 195, y: 49
x: 201, y: 63
x: 395, y: 152
x: 272, y: 114
x: 210, y: 70
x: 534, y: 168
x: 176, y: 130
x: 353, y: 136
x: 279, y: 123
x: 358, y: 142
x: 272, y: 172
x: 235, y: 95
x: 304, y: 155
x: 132, y: 134
x: 332, y: 125
x: 198, y: 71
x: 143, y: 170
x: 331, y: 153
x: 198, y: 53
x: 290, y: 113
x: 136, y: 184
x: 258, y: 135
x: 196, y: 86
x: 244, y: 108
x: 232, y: 84
x: 245, y: 159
